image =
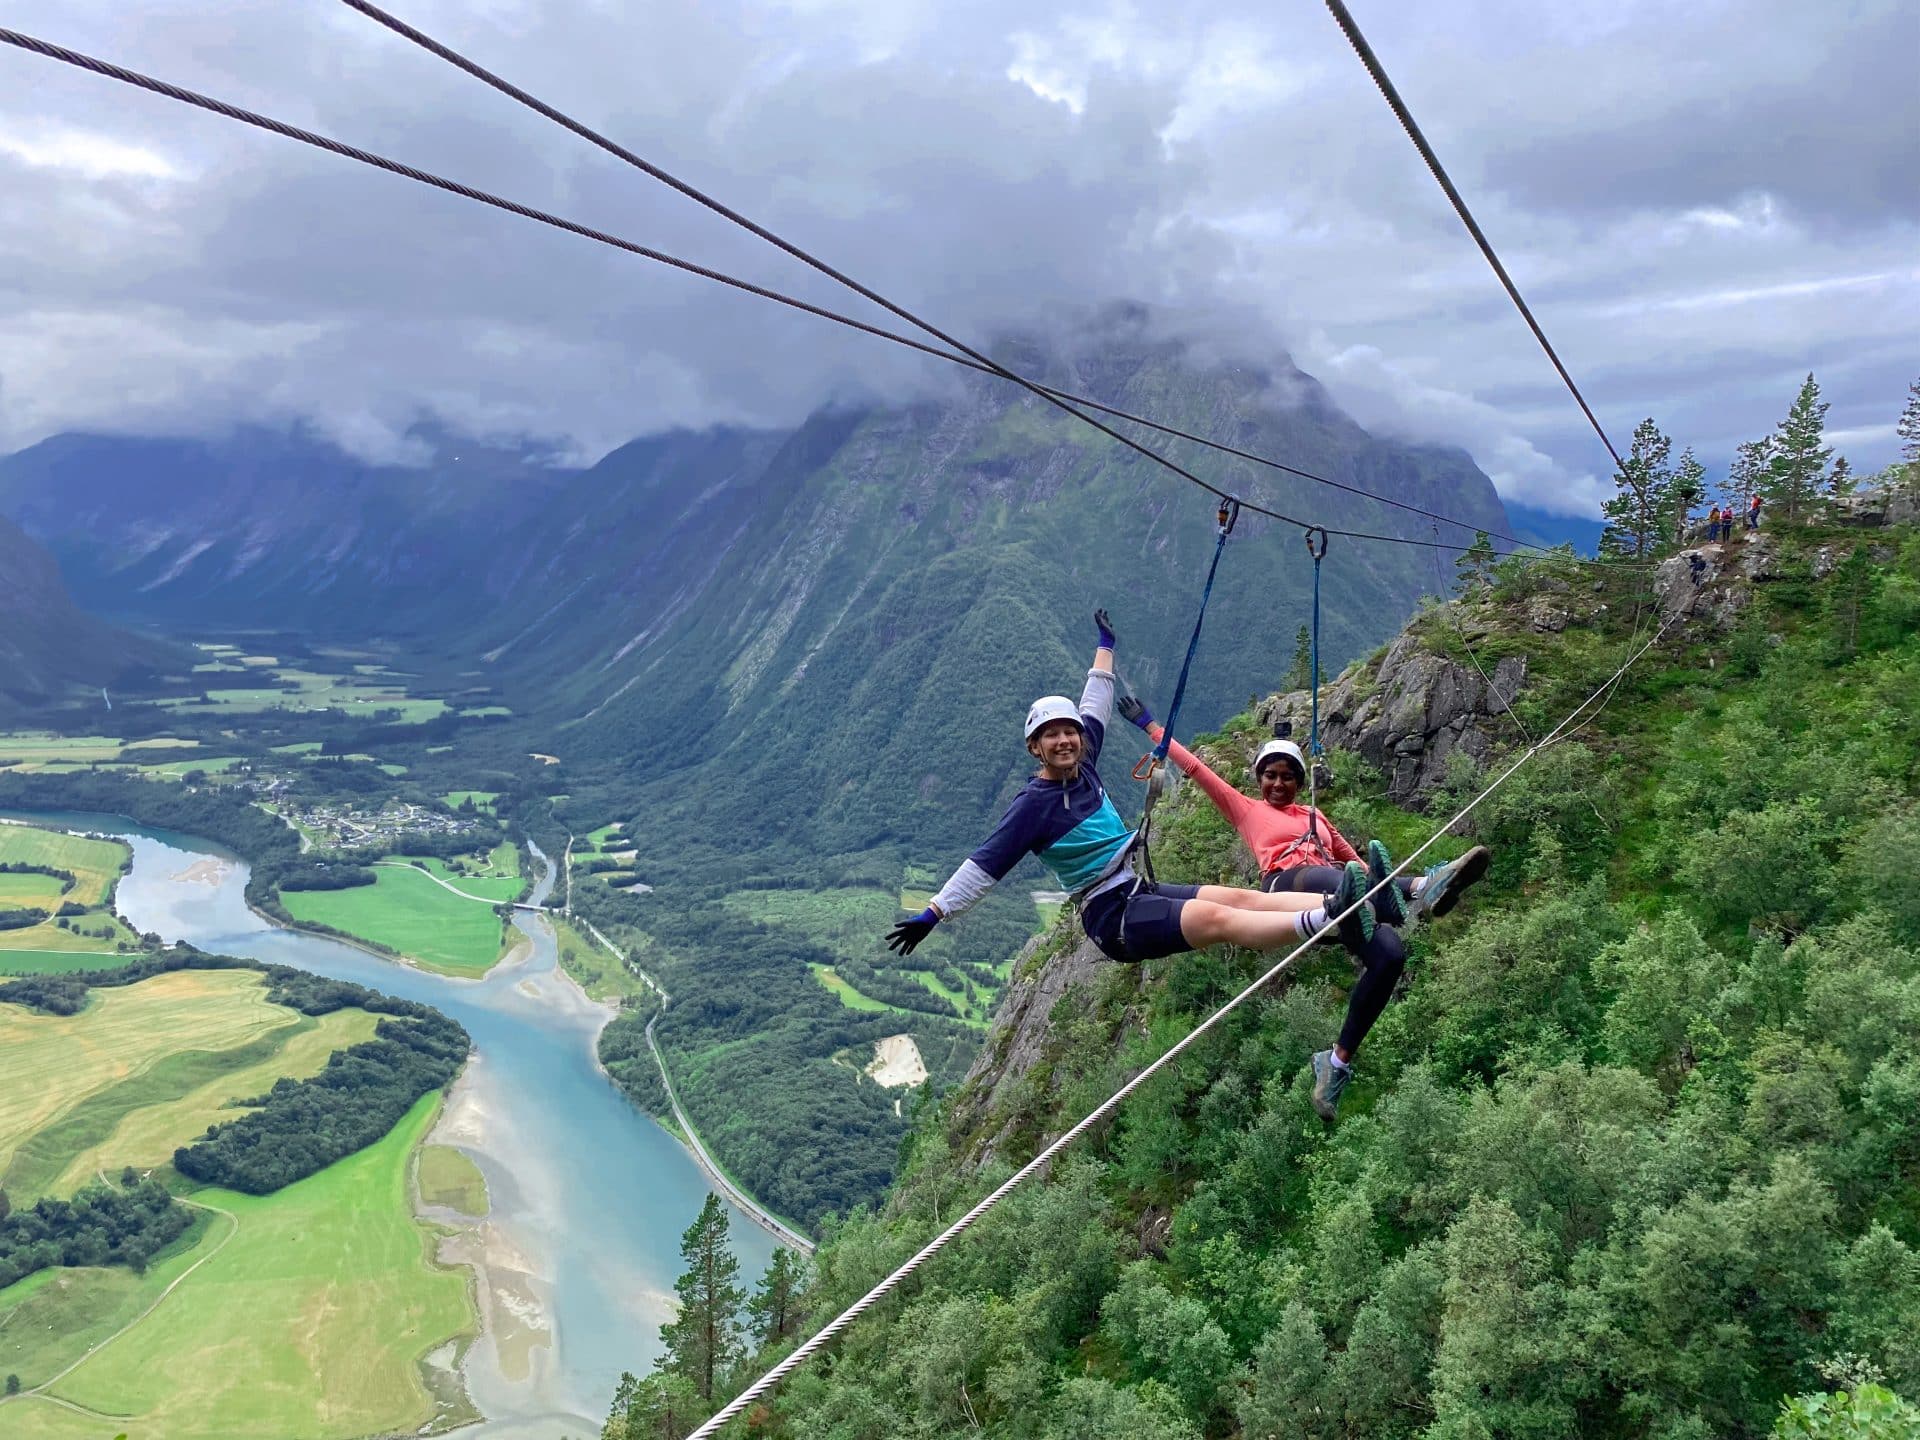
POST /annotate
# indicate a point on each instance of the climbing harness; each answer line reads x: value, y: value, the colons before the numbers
x: 1149, y: 768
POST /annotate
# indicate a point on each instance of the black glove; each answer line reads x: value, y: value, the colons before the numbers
x: 1106, y: 629
x: 909, y: 933
x: 1132, y: 710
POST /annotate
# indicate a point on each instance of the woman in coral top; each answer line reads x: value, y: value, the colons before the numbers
x: 1296, y: 848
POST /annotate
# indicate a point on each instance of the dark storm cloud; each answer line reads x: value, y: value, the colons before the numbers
x: 163, y: 269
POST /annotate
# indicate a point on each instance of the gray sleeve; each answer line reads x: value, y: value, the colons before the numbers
x: 964, y: 889
x: 1097, y: 699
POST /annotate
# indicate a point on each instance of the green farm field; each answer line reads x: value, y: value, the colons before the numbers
x: 73, y: 1077
x: 94, y: 864
x: 190, y: 1090
x: 849, y: 997
x: 305, y: 1312
x: 59, y: 962
x: 411, y: 913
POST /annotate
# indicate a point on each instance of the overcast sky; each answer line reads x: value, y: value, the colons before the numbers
x: 1702, y: 202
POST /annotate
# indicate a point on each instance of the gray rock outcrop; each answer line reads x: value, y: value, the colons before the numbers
x: 1019, y: 1038
x: 1409, y: 715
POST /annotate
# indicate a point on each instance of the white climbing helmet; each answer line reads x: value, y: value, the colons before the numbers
x: 1049, y: 708
x: 1280, y: 747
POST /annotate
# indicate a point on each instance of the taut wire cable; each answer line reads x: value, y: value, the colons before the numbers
x: 1060, y: 398
x: 1343, y: 17
x: 178, y: 93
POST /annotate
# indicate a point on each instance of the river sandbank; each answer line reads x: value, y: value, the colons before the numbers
x: 511, y: 1292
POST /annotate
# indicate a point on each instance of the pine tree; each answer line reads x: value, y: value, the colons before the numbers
x: 1689, y: 489
x: 1909, y: 431
x: 775, y: 1308
x: 660, y: 1407
x: 1635, y: 515
x: 1473, y: 570
x: 1744, y: 475
x: 1840, y: 478
x: 703, y: 1340
x: 1799, y: 461
x: 1300, y: 673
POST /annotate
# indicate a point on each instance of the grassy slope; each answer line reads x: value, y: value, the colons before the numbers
x: 57, y: 1063
x: 96, y: 865
x: 53, y: 1317
x: 311, y: 1321
x: 408, y: 912
x: 155, y: 1116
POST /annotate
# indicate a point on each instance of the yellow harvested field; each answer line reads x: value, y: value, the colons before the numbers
x: 56, y: 1062
x: 147, y: 1137
x: 94, y: 864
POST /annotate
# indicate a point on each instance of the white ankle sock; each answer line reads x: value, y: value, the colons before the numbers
x: 1309, y: 923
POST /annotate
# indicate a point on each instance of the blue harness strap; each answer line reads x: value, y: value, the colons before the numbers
x: 1229, y: 512
x: 1318, y: 552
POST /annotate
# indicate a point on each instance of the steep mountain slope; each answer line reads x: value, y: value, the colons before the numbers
x: 1636, y: 1153
x: 266, y: 529
x: 49, y: 648
x: 928, y: 571
x: 694, y: 583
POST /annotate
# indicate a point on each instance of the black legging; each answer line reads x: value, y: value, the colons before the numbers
x: 1382, y: 960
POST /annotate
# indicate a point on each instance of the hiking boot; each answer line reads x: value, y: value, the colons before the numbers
x: 1445, y: 883
x: 1329, y: 1083
x: 1388, y: 904
x: 1356, y: 931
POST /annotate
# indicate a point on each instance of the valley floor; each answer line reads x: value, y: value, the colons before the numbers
x: 307, y: 1312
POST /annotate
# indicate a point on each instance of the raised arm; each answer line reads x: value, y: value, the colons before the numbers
x: 1227, y: 800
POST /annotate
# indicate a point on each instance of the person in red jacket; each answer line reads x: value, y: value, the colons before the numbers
x: 1296, y: 848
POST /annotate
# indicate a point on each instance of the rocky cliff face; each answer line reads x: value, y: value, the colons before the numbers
x: 1407, y: 713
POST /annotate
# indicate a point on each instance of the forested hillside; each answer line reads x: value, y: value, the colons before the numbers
x: 1635, y: 1153
x: 49, y: 648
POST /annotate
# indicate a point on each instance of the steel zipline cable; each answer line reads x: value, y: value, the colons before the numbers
x: 181, y: 94
x: 1065, y: 400
x: 853, y: 1312
x: 1349, y: 27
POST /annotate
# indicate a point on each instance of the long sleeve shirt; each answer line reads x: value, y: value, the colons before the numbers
x: 1279, y: 836
x: 1071, y: 825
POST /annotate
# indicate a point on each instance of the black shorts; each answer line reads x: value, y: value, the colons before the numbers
x: 1132, y: 925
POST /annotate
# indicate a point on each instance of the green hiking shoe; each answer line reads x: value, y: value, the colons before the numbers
x: 1329, y: 1083
x: 1356, y: 931
x: 1446, y: 883
x: 1387, y: 901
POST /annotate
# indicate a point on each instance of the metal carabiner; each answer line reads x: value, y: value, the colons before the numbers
x: 1318, y: 552
x: 1229, y: 513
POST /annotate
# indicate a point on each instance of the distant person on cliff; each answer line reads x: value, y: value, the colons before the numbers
x: 1753, y: 513
x: 1713, y: 524
x: 1064, y: 816
x: 1298, y: 849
